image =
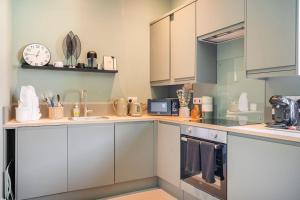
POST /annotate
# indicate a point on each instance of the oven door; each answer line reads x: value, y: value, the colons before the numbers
x: 217, y: 189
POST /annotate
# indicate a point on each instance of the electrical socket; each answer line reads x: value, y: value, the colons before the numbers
x: 197, y: 100
x: 133, y: 99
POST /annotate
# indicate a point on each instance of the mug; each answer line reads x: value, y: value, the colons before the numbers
x: 58, y: 64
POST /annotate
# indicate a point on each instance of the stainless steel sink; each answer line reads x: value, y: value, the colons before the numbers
x: 88, y: 118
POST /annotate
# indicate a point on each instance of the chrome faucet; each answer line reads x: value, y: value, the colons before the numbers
x: 84, y: 100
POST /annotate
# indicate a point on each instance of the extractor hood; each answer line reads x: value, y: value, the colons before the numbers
x: 224, y: 35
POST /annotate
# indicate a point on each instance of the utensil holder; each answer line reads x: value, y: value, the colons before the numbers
x: 56, y: 112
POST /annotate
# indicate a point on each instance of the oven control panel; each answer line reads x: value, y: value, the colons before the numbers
x: 204, y: 133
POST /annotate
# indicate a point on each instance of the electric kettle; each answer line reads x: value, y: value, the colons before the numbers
x: 135, y: 110
x: 120, y: 107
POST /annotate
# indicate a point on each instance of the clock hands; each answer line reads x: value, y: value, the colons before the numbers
x: 31, y: 54
x: 38, y: 53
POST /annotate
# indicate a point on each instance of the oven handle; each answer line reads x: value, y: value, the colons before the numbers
x: 217, y: 146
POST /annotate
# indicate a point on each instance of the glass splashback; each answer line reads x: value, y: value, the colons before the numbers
x: 231, y: 82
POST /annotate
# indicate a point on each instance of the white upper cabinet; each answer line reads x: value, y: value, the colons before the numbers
x: 173, y: 47
x: 271, y: 38
x: 160, y: 50
x: 183, y: 43
x: 213, y: 15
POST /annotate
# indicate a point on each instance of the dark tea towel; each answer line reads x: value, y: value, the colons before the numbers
x: 208, y: 161
x: 192, y: 164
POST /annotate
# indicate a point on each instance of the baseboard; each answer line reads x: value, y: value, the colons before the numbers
x: 179, y: 193
x: 107, y: 191
x: 171, y: 189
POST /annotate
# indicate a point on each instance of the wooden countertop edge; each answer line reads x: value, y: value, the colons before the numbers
x: 176, y: 120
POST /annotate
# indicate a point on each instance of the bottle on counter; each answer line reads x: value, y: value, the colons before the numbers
x: 195, y: 113
x: 76, y: 111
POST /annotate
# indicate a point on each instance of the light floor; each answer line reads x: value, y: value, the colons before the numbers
x: 153, y: 194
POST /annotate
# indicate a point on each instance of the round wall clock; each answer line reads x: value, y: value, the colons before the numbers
x: 36, y: 55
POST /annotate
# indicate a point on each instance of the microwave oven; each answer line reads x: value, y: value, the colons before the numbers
x: 168, y: 106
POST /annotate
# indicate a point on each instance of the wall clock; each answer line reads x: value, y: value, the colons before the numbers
x: 36, y: 55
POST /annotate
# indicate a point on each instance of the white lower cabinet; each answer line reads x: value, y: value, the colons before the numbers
x: 41, y: 163
x: 90, y: 156
x: 262, y: 170
x: 168, y: 153
x: 134, y: 151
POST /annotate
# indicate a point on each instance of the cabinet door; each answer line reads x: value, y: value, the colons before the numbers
x: 183, y: 43
x: 134, y: 147
x: 41, y: 161
x: 270, y: 33
x: 262, y: 170
x: 213, y: 15
x: 90, y: 156
x: 168, y: 153
x: 160, y: 50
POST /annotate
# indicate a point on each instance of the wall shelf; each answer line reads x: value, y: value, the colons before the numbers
x: 65, y: 68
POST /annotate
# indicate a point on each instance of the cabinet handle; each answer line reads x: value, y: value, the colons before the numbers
x: 172, y: 17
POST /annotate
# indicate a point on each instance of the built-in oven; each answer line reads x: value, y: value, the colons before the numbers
x: 204, y: 160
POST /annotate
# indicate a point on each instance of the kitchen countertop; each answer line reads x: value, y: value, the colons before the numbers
x: 257, y: 130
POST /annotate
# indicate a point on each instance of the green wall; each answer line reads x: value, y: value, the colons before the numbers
x: 115, y: 27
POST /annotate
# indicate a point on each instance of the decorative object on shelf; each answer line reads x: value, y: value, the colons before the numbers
x: 92, y: 59
x: 28, y: 106
x: 184, y: 95
x: 109, y: 63
x: 58, y: 64
x: 36, y: 55
x: 78, y: 47
x: 80, y: 65
x: 50, y: 67
x: 71, y: 48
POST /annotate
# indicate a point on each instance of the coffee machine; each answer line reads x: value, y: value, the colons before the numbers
x: 285, y: 112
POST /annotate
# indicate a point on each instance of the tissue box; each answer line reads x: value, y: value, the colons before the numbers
x: 56, y: 112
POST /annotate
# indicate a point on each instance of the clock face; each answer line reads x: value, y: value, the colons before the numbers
x: 36, y: 55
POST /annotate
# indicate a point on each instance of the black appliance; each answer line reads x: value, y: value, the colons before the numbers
x: 92, y: 59
x: 218, y: 139
x: 285, y: 112
x: 168, y: 106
